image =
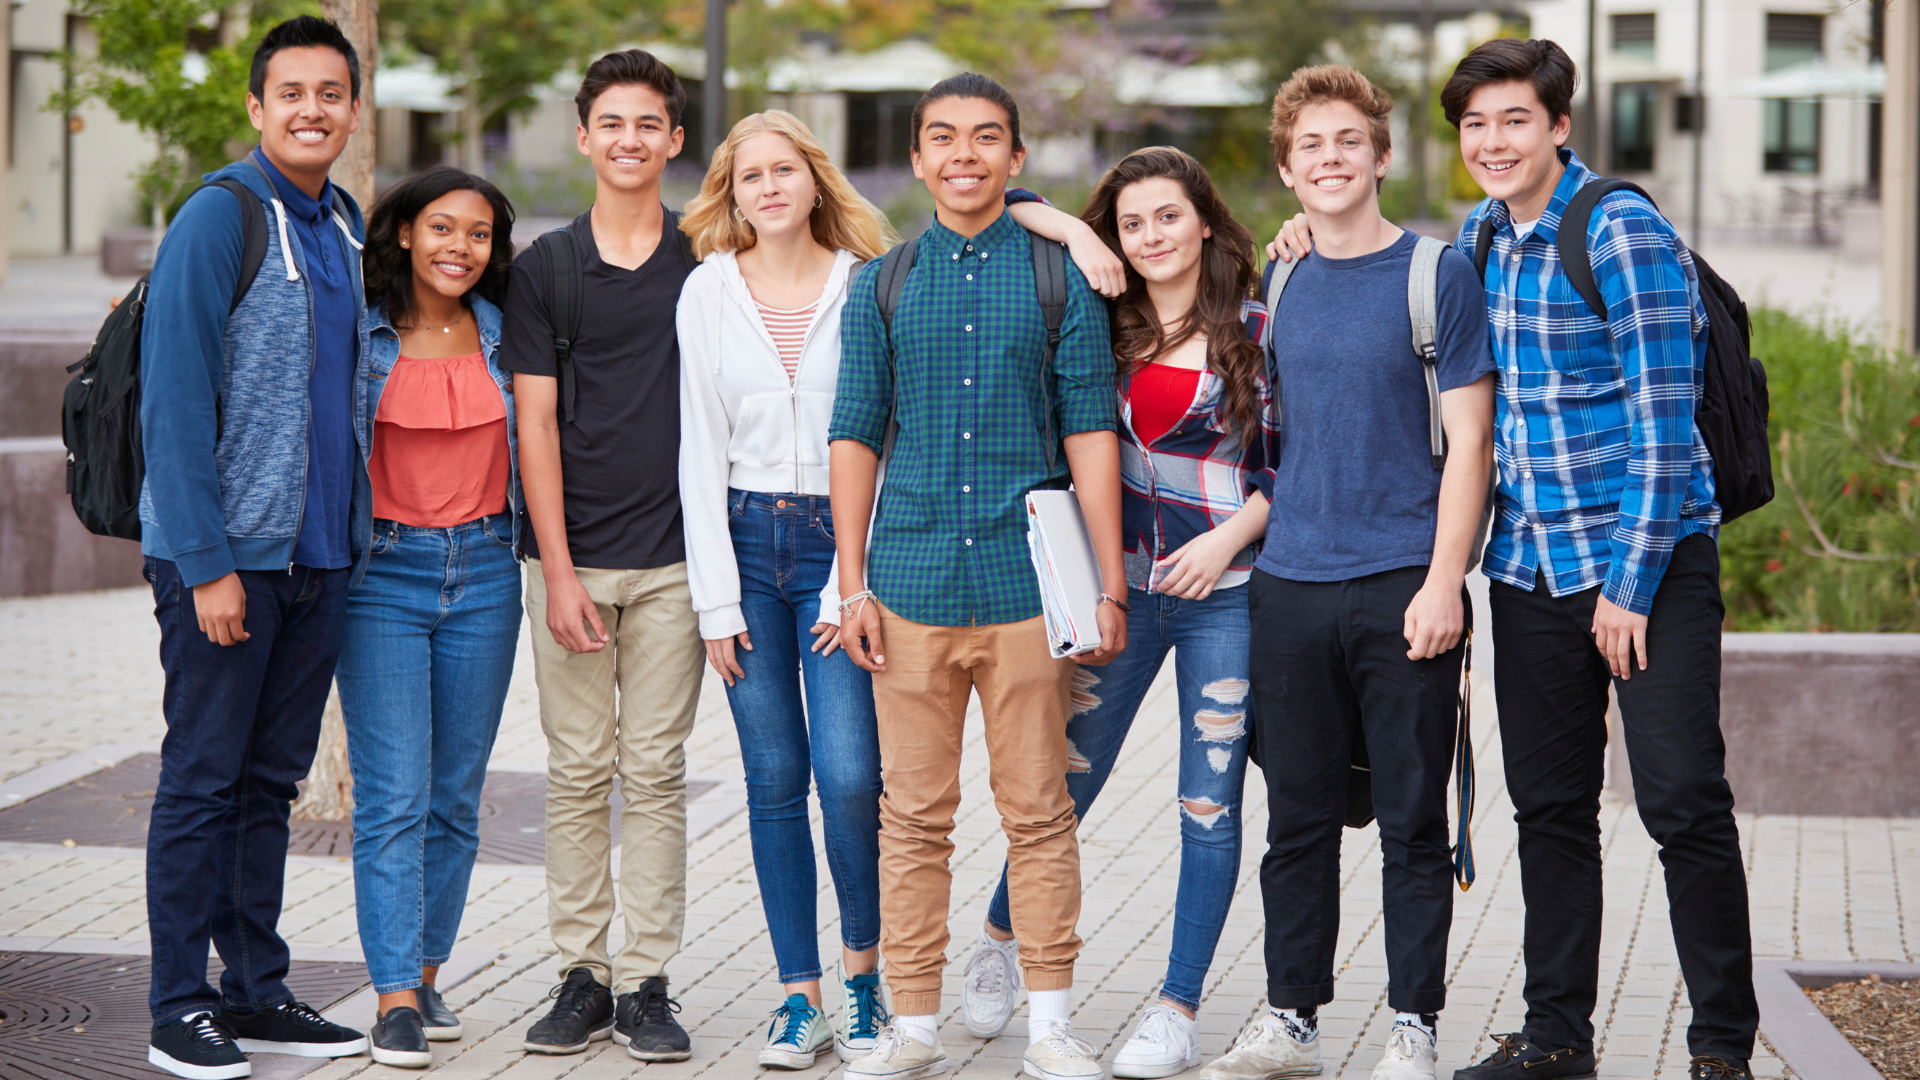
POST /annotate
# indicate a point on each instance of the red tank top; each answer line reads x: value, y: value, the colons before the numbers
x: 1160, y: 396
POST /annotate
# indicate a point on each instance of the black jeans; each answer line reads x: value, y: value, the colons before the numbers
x: 242, y: 724
x: 1551, y: 685
x: 1329, y: 662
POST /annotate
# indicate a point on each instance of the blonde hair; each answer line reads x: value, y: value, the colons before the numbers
x: 1321, y: 84
x: 844, y: 218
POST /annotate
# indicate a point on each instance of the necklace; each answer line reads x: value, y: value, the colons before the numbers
x: 447, y: 329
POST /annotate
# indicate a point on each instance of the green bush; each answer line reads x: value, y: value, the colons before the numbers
x: 1839, y: 547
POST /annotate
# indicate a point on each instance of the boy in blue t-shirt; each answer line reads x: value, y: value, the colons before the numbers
x: 1358, y: 608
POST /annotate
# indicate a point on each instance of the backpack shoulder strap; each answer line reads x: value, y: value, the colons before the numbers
x: 253, y: 232
x: 891, y: 281
x: 1050, y: 288
x: 1575, y: 260
x: 1282, y: 270
x: 1423, y: 311
x: 1483, y: 247
x: 562, y: 285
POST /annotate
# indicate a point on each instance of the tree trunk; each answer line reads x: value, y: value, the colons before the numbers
x: 472, y: 149
x: 328, y: 795
x: 360, y: 20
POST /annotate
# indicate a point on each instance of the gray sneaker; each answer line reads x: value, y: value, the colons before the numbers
x: 1265, y: 1050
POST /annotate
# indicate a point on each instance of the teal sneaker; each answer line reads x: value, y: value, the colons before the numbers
x: 796, y: 1036
x: 862, y: 1015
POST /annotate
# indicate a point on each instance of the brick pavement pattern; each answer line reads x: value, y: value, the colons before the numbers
x: 81, y: 670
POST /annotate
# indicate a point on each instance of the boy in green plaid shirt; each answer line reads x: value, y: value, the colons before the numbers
x: 946, y: 582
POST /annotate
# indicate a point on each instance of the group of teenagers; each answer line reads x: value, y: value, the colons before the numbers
x: 765, y: 436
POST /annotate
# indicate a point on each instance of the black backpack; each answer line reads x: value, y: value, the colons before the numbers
x: 100, y: 414
x: 1049, y: 286
x: 1732, y: 416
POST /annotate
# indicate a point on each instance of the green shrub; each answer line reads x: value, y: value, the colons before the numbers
x: 1839, y: 547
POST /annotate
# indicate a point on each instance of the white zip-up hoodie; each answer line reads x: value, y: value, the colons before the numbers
x: 743, y: 425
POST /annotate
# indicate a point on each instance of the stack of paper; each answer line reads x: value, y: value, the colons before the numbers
x: 1068, y: 571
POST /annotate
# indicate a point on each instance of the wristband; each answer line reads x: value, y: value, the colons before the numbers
x: 1121, y: 604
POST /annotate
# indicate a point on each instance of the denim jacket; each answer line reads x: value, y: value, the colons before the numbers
x: 379, y: 352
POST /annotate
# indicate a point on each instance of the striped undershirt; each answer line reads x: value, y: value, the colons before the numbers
x: 788, y: 329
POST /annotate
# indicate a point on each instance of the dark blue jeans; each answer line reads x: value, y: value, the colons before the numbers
x: 242, y: 724
x: 1209, y: 640
x: 785, y: 554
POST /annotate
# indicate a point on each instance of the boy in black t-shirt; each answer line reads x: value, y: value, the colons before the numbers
x: 616, y: 646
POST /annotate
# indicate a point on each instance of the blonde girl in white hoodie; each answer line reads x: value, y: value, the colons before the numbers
x: 781, y: 233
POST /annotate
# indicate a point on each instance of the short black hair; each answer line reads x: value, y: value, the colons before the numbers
x: 969, y: 84
x: 1541, y: 62
x: 388, y: 268
x: 632, y: 67
x: 302, y: 32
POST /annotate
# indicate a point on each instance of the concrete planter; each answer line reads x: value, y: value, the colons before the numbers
x: 1798, y: 1030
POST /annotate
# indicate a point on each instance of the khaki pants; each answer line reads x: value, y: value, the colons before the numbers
x: 654, y: 661
x: 922, y: 705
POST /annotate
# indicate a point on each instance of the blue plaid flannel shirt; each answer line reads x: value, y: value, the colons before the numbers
x: 1601, y: 470
x: 949, y: 541
x: 1197, y: 475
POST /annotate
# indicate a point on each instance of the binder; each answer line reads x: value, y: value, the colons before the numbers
x: 1067, y: 569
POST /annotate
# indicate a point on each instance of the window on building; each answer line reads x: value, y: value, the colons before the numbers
x: 1636, y: 107
x: 1792, y: 136
x: 1633, y: 35
x: 1792, y: 128
x: 879, y: 130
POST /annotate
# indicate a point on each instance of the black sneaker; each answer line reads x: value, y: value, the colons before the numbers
x: 197, y: 1046
x: 1515, y: 1059
x: 400, y: 1039
x: 1714, y: 1068
x: 441, y: 1023
x: 582, y: 1012
x: 292, y: 1028
x: 644, y: 1024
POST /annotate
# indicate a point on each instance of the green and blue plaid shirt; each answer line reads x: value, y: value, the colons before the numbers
x: 949, y: 542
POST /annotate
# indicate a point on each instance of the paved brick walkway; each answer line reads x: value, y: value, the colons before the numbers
x: 80, y: 671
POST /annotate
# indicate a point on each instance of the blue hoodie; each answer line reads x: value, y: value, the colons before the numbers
x: 226, y: 484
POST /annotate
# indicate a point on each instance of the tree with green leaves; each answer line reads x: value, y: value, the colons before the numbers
x: 150, y: 73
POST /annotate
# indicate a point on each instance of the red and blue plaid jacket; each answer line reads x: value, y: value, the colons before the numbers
x: 1197, y: 475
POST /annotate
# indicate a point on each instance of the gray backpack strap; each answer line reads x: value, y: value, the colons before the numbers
x: 895, y: 265
x: 1423, y: 309
x: 1050, y: 288
x: 1282, y: 270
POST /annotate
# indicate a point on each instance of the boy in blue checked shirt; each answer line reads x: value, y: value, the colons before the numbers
x: 948, y: 602
x: 1604, y: 567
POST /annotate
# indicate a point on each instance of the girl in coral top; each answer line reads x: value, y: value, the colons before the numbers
x: 434, y: 613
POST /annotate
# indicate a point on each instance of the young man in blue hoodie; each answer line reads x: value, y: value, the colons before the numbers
x: 246, y: 422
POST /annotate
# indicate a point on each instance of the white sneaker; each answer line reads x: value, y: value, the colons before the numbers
x: 1061, y: 1055
x: 1265, y: 1051
x: 897, y: 1057
x: 1165, y: 1043
x: 1410, y: 1055
x: 991, y: 987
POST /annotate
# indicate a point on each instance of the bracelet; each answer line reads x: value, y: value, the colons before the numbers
x: 1121, y: 604
x: 860, y: 598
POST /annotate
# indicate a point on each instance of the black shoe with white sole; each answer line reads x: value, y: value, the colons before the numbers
x: 293, y: 1029
x: 199, y: 1047
x: 399, y: 1038
x: 644, y: 1024
x: 441, y: 1023
x: 582, y: 1012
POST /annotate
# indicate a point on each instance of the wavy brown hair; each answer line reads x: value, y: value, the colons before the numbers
x: 1228, y: 276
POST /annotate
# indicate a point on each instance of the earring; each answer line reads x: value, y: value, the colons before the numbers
x: 403, y: 243
x: 739, y: 215
x: 816, y: 201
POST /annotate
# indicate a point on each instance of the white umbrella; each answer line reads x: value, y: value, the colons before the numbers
x: 1816, y: 80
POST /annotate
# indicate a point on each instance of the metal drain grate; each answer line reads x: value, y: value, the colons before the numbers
x: 110, y: 808
x: 70, y: 1015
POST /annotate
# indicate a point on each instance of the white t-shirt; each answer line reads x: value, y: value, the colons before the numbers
x: 1522, y: 228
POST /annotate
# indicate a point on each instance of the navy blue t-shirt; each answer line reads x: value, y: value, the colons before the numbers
x: 322, y: 543
x: 1356, y: 492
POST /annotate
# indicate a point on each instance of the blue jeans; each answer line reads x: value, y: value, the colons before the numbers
x: 1210, y: 670
x: 242, y: 724
x: 785, y: 554
x: 429, y: 647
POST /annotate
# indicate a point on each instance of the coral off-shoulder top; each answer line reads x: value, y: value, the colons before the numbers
x: 440, y: 453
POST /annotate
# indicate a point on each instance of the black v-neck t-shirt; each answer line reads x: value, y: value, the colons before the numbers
x: 620, y: 457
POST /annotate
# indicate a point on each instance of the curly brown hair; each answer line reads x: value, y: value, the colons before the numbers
x: 1228, y: 275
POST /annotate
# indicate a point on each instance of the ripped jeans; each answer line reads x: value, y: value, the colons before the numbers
x: 1211, y: 639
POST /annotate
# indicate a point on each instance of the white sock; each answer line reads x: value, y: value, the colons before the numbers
x: 1046, y: 1010
x: 1302, y: 1029
x: 924, y: 1030
x: 1428, y: 1025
